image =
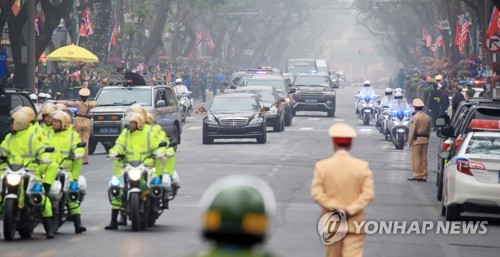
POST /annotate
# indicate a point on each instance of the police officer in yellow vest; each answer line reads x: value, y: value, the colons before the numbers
x: 343, y: 184
x: 418, y: 140
x: 82, y: 121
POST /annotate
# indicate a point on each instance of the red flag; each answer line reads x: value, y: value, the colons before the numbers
x: 86, y: 28
x: 209, y: 41
x: 457, y: 34
x: 199, y: 36
x: 16, y: 7
x: 494, y: 26
x: 114, y: 33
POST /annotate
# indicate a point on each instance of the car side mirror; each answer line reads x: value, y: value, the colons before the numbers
x: 162, y: 144
x: 81, y: 145
x: 448, y: 131
x: 49, y: 150
x: 440, y: 122
x: 161, y: 103
x: 293, y: 90
x: 444, y: 155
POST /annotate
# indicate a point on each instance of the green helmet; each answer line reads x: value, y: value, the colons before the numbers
x: 237, y: 210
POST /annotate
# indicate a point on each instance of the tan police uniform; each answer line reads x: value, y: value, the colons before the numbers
x: 418, y: 140
x: 343, y: 182
x: 82, y: 120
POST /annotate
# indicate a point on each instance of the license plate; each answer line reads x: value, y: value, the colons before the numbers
x: 108, y: 131
x: 311, y: 100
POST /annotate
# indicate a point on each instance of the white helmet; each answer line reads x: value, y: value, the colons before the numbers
x: 42, y: 95
x: 367, y: 83
x: 388, y: 91
x: 179, y: 80
x: 48, y: 96
x: 398, y: 95
x: 398, y: 90
x: 33, y: 97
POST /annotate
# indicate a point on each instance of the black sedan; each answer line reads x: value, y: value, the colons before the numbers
x: 237, y: 115
x: 270, y: 98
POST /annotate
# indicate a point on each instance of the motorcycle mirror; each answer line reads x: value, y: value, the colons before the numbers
x: 49, y: 150
x: 448, y: 131
x: 162, y: 144
x: 293, y: 90
x: 81, y: 145
x: 444, y: 155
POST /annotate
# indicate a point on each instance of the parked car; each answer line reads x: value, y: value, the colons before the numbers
x: 471, y: 177
x: 270, y: 98
x: 11, y: 100
x: 113, y: 102
x: 236, y: 115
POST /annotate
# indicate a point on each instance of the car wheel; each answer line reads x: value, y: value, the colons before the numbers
x: 176, y: 135
x: 439, y: 194
x: 277, y: 126
x: 288, y: 119
x: 92, y: 146
x: 262, y: 139
x: 282, y: 124
x: 453, y: 212
x: 330, y: 113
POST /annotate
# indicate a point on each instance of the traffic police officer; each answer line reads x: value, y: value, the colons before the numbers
x: 343, y: 183
x: 237, y: 210
x: 82, y: 121
x: 418, y: 140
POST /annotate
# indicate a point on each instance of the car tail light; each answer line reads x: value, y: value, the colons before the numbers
x: 458, y: 142
x: 488, y: 125
x: 464, y: 166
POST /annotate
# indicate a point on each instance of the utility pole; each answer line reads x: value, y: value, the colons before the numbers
x: 30, y: 36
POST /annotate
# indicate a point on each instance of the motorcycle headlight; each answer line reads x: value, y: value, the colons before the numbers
x: 272, y: 110
x: 397, y: 123
x: 211, y: 121
x: 371, y: 104
x: 115, y: 181
x: 257, y: 120
x: 406, y: 123
x: 13, y: 179
x: 361, y: 105
x: 135, y: 174
x: 288, y: 100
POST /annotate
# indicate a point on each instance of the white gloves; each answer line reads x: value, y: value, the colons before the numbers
x: 46, y: 160
x: 112, y: 155
x: 79, y: 156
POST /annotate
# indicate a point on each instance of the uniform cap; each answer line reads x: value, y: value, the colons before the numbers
x: 84, y: 92
x: 342, y: 130
x: 417, y: 102
x: 178, y: 81
x: 439, y: 77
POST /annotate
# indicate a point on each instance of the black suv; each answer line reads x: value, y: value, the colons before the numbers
x: 12, y: 99
x: 314, y: 93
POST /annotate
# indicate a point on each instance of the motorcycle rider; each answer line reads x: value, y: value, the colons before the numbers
x: 365, y: 92
x: 399, y: 103
x: 383, y: 107
x: 14, y: 147
x: 45, y: 118
x: 237, y: 212
x: 386, y: 100
x: 65, y: 140
x: 41, y: 100
x: 136, y: 142
x: 34, y: 99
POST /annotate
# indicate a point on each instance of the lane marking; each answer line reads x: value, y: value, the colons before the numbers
x: 306, y: 129
x: 314, y: 119
x: 338, y: 119
x: 365, y: 130
x: 193, y: 128
x: 47, y: 253
x: 76, y: 239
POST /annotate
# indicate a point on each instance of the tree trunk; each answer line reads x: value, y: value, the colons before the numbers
x: 156, y: 33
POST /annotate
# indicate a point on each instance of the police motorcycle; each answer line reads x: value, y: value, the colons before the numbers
x: 383, y: 113
x: 22, y: 198
x: 366, y: 107
x: 144, y: 197
x: 66, y: 192
x: 398, y: 127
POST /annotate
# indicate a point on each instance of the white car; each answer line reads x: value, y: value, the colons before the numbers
x: 471, y: 180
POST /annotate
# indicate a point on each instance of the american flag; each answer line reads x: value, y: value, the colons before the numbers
x: 86, y: 28
x: 464, y: 33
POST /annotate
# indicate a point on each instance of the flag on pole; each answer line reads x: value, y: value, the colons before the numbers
x: 439, y: 39
x: 16, y: 7
x: 86, y: 28
x: 209, y: 41
x: 464, y: 33
x: 112, y: 38
x: 199, y: 36
x: 37, y: 24
x: 494, y: 27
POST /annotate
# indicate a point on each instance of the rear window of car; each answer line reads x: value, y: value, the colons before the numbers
x: 486, y: 145
x: 487, y: 114
x: 279, y: 84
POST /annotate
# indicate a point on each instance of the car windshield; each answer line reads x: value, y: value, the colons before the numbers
x: 279, y: 84
x: 301, y: 68
x: 267, y: 96
x: 124, y: 96
x: 236, y: 104
x: 311, y: 80
x: 484, y: 145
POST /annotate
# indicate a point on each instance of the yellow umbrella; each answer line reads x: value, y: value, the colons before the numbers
x: 72, y: 53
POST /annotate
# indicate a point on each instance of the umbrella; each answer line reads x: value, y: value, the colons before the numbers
x: 72, y: 53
